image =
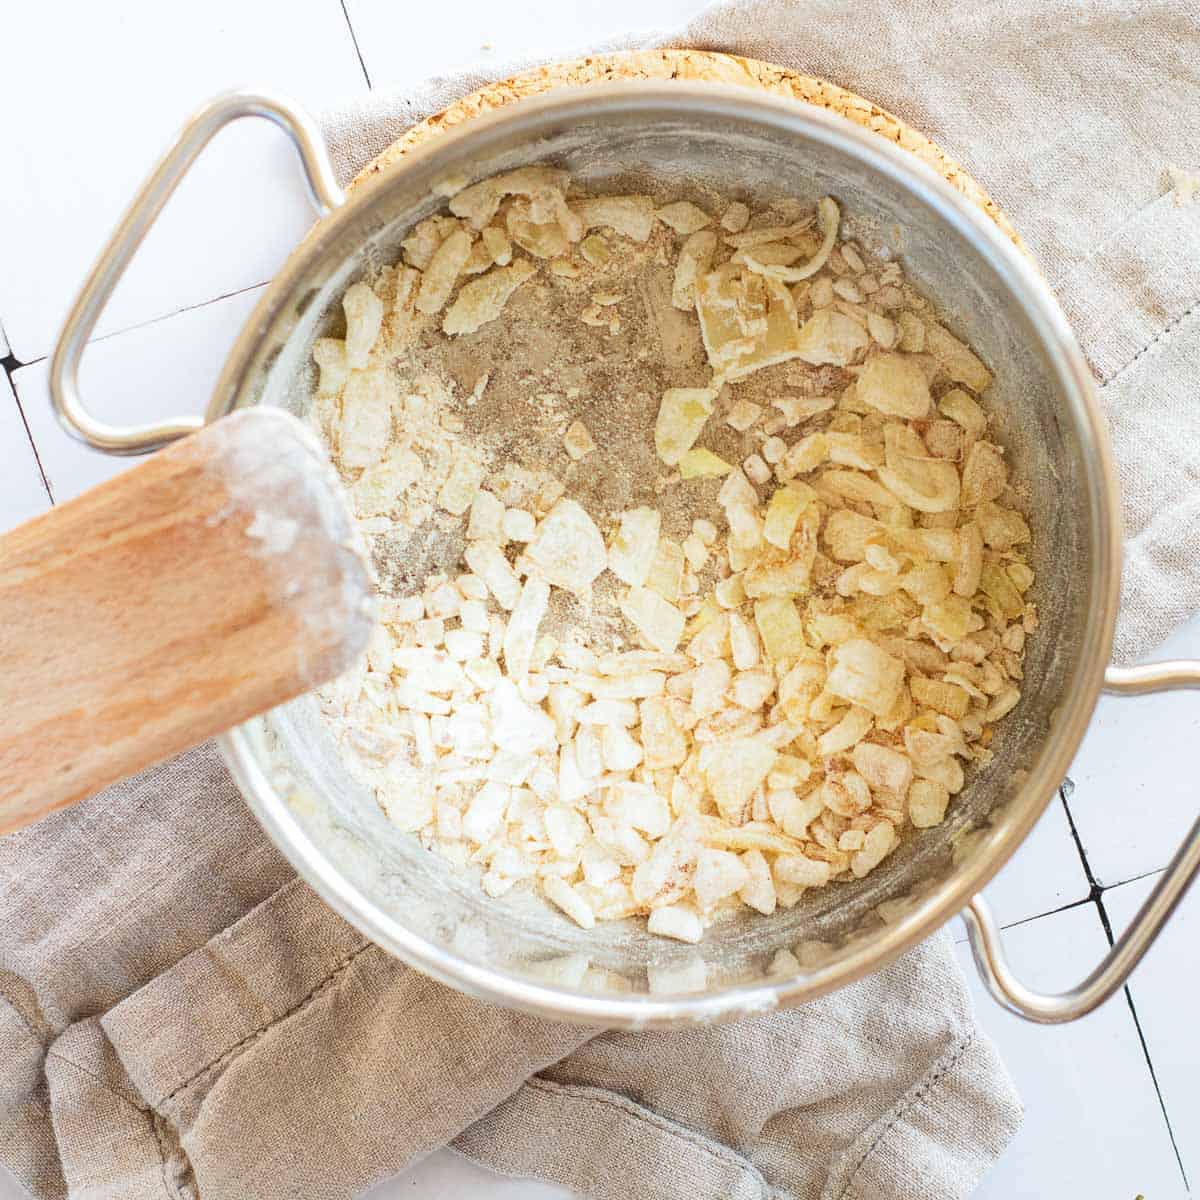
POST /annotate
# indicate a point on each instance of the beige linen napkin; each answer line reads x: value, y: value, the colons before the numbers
x: 156, y: 1045
x: 180, y: 1017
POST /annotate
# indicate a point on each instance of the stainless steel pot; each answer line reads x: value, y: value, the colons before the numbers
x: 516, y: 951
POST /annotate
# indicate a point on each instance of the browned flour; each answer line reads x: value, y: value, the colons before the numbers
x: 541, y: 367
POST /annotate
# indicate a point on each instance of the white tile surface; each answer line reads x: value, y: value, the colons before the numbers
x: 403, y: 43
x: 1045, y: 874
x: 1135, y: 775
x: 3, y: 343
x: 87, y: 110
x: 167, y: 368
x: 1164, y: 993
x: 1093, y: 1126
x: 445, y: 1174
x: 9, y: 1189
x: 22, y: 493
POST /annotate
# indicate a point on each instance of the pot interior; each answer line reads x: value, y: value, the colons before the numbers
x: 684, y: 145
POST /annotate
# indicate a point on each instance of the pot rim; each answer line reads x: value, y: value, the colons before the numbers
x: 1065, y: 358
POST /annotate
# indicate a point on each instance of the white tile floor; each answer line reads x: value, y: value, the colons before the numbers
x: 1100, y: 1117
x: 151, y: 372
x: 74, y: 156
x: 1114, y: 787
x: 1093, y: 1124
x: 1162, y: 993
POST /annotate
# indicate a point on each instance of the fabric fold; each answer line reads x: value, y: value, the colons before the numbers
x: 27, y: 1145
x: 111, y: 1142
x: 260, y: 971
x: 356, y: 1067
x: 898, y: 1159
x: 870, y: 1092
x: 289, y: 1055
x: 594, y: 1142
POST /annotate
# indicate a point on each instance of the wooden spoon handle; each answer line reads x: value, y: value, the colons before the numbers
x: 219, y: 578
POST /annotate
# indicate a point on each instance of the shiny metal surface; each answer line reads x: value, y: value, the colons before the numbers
x: 129, y: 234
x: 1131, y: 946
x: 749, y: 144
x: 1171, y: 675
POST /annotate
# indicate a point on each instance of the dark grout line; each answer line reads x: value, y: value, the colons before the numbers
x: 1137, y: 1024
x: 250, y: 287
x: 1096, y: 897
x: 1097, y: 888
x: 10, y: 365
x: 1068, y: 789
x: 175, y: 312
x: 1108, y: 887
x: 1050, y: 912
x: 1094, y: 888
x: 354, y: 39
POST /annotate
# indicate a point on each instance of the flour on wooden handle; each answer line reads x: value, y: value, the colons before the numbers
x: 214, y: 581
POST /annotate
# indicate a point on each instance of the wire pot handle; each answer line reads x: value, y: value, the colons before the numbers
x: 984, y: 931
x: 129, y: 234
